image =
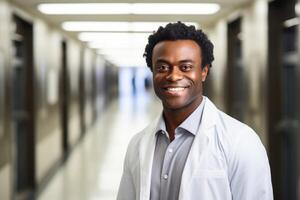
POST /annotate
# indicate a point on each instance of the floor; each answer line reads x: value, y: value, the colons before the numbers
x: 93, y: 170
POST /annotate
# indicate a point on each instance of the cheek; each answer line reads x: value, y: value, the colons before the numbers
x: 156, y: 82
x: 157, y: 79
x: 196, y: 78
x: 197, y: 81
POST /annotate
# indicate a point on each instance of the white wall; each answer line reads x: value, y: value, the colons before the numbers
x: 218, y: 36
x: 47, y: 52
x: 73, y: 62
x: 255, y: 47
x: 5, y: 182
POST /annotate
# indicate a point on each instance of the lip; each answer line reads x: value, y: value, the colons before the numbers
x: 174, y: 90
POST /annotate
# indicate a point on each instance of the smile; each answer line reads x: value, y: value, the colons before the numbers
x: 175, y: 89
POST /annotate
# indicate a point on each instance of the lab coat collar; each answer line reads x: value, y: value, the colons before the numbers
x: 201, y: 141
x: 209, y: 117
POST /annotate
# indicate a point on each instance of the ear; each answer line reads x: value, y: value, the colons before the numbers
x: 204, y: 72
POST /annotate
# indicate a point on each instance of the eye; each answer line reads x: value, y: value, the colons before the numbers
x: 162, y: 68
x: 186, y: 67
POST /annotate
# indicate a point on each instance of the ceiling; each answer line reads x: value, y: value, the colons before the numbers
x: 226, y: 6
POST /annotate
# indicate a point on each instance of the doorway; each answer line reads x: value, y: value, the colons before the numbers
x: 82, y: 93
x: 235, y: 78
x: 283, y: 99
x: 23, y: 109
x: 289, y: 123
x: 64, y: 88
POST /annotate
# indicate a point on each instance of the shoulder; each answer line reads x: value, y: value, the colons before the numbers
x: 236, y: 135
x: 243, y: 147
x: 225, y: 124
x: 136, y: 141
x: 236, y: 132
x: 245, y: 158
x: 234, y: 139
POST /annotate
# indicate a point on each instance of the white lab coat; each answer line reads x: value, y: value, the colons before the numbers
x: 227, y: 161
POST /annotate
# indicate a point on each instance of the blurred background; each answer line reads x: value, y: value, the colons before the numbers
x: 74, y: 87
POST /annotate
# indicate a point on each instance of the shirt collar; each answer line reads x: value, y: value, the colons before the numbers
x: 161, y: 126
x: 191, y: 124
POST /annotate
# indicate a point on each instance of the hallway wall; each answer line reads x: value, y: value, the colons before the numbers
x: 5, y: 125
x: 47, y: 58
x: 254, y: 50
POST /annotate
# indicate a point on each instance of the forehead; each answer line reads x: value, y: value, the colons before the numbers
x: 178, y: 48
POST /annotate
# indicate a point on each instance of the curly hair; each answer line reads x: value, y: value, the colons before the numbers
x: 180, y: 31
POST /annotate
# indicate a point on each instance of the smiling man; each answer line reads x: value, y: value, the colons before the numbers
x: 193, y: 151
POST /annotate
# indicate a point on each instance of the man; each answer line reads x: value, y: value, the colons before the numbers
x: 193, y: 151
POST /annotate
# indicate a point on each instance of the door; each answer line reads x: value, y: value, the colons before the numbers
x: 283, y: 100
x: 64, y: 90
x: 235, y: 79
x: 289, y: 124
x: 23, y: 109
x: 82, y: 94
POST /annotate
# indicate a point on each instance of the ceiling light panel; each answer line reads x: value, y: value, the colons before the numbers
x: 117, y: 44
x: 100, y: 37
x: 115, y: 26
x: 84, y: 8
x: 175, y: 8
x: 129, y: 8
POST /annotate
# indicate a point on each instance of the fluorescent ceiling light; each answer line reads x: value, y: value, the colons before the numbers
x: 124, y: 57
x: 84, y: 8
x: 115, y: 26
x: 111, y: 43
x: 111, y: 37
x: 292, y: 22
x: 176, y: 8
x: 125, y: 52
x: 297, y: 8
x: 129, y: 8
x: 117, y: 45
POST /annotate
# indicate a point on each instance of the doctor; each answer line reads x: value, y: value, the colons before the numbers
x: 193, y: 151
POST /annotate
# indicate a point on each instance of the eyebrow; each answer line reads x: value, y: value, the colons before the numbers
x: 186, y: 61
x: 161, y: 60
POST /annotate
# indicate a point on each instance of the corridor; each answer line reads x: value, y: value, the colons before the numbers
x: 94, y: 168
x: 75, y: 87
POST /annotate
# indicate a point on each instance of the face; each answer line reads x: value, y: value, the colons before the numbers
x: 177, y: 74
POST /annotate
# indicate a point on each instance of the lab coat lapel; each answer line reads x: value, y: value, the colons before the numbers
x: 199, y: 145
x: 146, y: 150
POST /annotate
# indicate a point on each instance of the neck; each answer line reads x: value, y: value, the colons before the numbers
x: 174, y: 117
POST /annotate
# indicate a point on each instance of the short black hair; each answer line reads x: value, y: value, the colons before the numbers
x: 180, y: 31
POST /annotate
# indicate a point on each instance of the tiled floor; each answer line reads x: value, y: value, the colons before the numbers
x: 94, y: 168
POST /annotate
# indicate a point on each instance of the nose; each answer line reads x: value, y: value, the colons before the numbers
x: 174, y: 75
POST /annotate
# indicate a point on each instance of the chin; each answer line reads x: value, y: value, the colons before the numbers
x: 174, y: 105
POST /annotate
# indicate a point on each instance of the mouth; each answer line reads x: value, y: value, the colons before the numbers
x: 175, y: 90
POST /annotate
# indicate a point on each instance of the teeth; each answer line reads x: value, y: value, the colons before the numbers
x: 176, y: 89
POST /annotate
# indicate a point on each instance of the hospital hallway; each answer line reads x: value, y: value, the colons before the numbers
x: 75, y: 86
x: 94, y: 168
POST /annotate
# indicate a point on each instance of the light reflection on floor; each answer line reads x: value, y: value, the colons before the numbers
x: 94, y: 168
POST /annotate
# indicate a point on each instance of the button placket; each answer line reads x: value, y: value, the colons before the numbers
x: 166, y: 176
x: 167, y: 160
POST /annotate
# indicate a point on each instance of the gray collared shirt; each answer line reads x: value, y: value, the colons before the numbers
x: 170, y: 157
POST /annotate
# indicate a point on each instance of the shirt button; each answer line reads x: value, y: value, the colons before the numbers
x: 170, y: 150
x: 166, y: 176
